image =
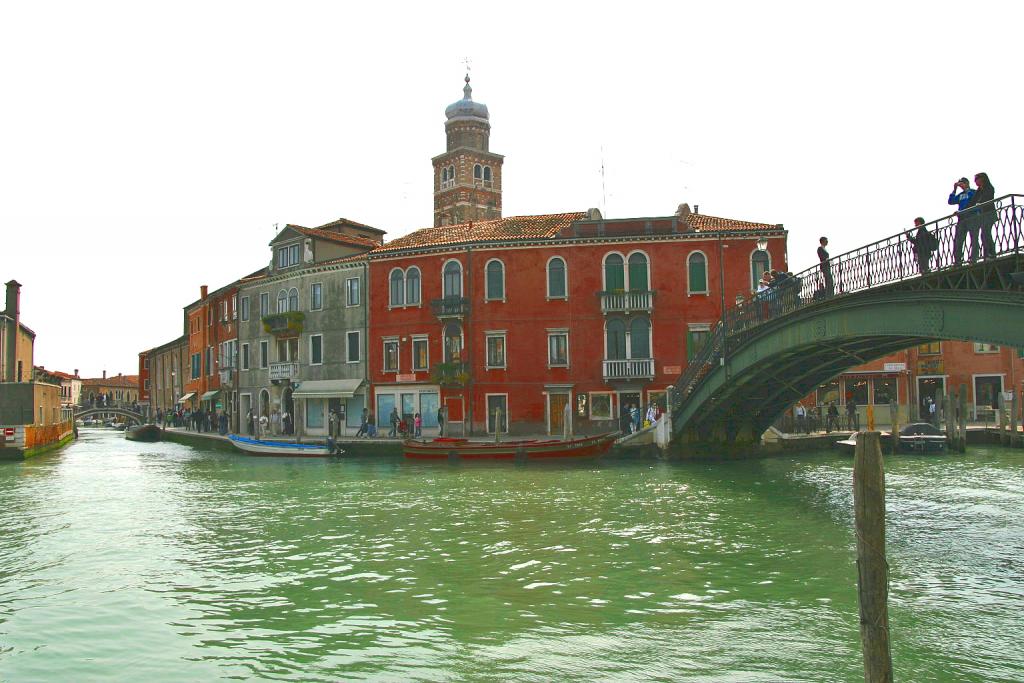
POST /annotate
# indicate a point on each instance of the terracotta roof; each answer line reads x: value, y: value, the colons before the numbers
x: 332, y: 236
x: 119, y: 380
x: 500, y: 229
x: 346, y: 221
x: 703, y: 223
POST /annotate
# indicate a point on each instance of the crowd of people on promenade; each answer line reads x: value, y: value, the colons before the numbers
x: 198, y: 420
x: 633, y: 418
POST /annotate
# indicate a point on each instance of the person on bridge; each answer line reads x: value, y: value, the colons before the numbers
x: 825, y: 266
x: 984, y: 216
x: 924, y: 244
x: 964, y: 224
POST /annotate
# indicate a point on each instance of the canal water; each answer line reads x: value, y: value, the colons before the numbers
x: 122, y: 561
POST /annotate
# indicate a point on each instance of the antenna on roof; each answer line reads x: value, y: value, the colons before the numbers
x: 604, y: 198
x: 275, y: 227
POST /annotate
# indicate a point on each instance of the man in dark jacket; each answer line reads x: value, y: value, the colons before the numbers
x: 965, y: 225
x: 924, y: 244
x: 825, y: 266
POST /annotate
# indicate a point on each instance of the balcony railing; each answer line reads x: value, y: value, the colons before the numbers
x: 284, y: 370
x: 630, y: 368
x: 450, y: 307
x: 627, y: 302
x: 450, y: 374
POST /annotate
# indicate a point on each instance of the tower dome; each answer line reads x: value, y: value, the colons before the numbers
x: 466, y: 107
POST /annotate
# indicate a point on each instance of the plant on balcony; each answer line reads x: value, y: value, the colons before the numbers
x: 450, y: 374
x: 289, y: 322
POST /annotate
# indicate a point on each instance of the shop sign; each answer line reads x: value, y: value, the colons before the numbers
x: 406, y: 378
x: 895, y: 367
x: 673, y: 369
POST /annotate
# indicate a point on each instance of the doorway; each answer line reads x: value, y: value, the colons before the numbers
x: 628, y: 402
x: 986, y: 394
x: 556, y: 412
x: 930, y: 389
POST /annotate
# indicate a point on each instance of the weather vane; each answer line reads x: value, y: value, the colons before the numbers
x: 468, y: 66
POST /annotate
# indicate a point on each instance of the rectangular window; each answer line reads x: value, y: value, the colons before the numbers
x: 315, y: 413
x: 245, y: 309
x: 352, y: 291
x: 234, y: 306
x: 828, y: 393
x: 209, y: 316
x: 316, y: 296
x: 385, y: 404
x: 146, y: 383
x: 696, y: 338
x: 293, y: 254
x: 264, y: 304
x: 224, y: 309
x: 209, y: 360
x: 245, y: 356
x: 495, y: 351
x: 197, y: 362
x: 497, y: 413
x: 352, y: 347
x: 288, y: 256
x: 884, y: 391
x: 981, y: 347
x: 658, y: 397
x: 390, y: 355
x: 316, y: 349
x: 264, y: 353
x: 558, y: 349
x: 930, y: 349
x: 420, y: 354
x: 857, y: 389
x: 600, y: 406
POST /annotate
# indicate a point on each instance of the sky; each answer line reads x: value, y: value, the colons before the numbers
x: 149, y: 148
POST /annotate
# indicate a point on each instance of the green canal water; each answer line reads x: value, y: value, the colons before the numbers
x: 161, y: 562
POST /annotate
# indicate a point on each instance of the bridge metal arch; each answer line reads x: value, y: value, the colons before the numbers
x: 785, y: 359
x: 136, y: 418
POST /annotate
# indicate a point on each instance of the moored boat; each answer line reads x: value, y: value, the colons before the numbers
x: 142, y: 433
x: 288, y: 448
x: 921, y: 437
x: 532, y: 449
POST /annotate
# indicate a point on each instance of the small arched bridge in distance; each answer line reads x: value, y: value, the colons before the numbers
x: 774, y: 350
x: 129, y: 415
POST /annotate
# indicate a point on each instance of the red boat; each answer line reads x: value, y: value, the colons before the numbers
x: 444, y: 448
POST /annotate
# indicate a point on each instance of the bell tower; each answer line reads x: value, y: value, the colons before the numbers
x: 467, y: 177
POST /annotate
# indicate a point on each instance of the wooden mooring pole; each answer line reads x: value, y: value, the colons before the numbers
x: 872, y: 568
x: 1013, y: 419
x: 1004, y: 436
x: 947, y: 415
x: 894, y: 430
x: 963, y: 419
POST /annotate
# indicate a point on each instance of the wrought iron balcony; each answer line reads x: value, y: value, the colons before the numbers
x: 450, y: 307
x: 284, y: 371
x: 621, y: 301
x: 629, y: 368
x: 450, y: 374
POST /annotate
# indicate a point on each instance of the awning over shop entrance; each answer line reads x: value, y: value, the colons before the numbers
x: 329, y: 388
x: 209, y: 394
x: 186, y: 397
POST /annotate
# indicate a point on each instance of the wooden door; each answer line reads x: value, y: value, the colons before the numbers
x: 556, y: 412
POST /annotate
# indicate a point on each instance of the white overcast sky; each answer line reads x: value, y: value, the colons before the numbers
x: 148, y: 148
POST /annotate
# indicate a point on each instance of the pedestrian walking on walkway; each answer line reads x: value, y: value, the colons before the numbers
x: 825, y: 267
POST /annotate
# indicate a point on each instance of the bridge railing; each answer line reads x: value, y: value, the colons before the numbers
x: 987, y: 231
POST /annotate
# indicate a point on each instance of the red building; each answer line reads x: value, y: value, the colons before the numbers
x: 515, y: 318
x: 212, y: 330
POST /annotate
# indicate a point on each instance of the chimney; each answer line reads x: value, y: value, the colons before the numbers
x: 202, y: 291
x: 696, y: 208
x: 104, y: 374
x: 13, y: 312
x: 76, y: 372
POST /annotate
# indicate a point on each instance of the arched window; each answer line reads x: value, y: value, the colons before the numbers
x: 760, y: 263
x: 444, y: 176
x: 412, y: 286
x: 397, y: 287
x: 638, y: 272
x: 293, y: 299
x: 282, y: 301
x: 487, y: 174
x: 640, y: 338
x: 697, y: 273
x: 556, y: 278
x: 495, y: 289
x: 614, y: 277
x: 453, y: 278
x: 451, y: 174
x: 452, y: 343
x: 478, y: 172
x: 615, y: 339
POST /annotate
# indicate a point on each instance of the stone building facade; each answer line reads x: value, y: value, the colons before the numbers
x: 302, y: 329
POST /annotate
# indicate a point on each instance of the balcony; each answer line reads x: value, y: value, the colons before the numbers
x: 280, y: 371
x: 287, y: 324
x: 450, y: 307
x: 629, y: 368
x: 619, y: 301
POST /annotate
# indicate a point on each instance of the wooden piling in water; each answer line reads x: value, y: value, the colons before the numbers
x: 963, y: 418
x: 947, y: 415
x: 1013, y: 420
x: 894, y: 429
x: 1000, y: 420
x: 872, y: 568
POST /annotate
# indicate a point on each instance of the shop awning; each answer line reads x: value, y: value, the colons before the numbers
x: 328, y: 388
x: 209, y: 394
x: 186, y: 397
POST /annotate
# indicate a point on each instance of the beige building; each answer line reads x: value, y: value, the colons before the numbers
x: 164, y: 382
